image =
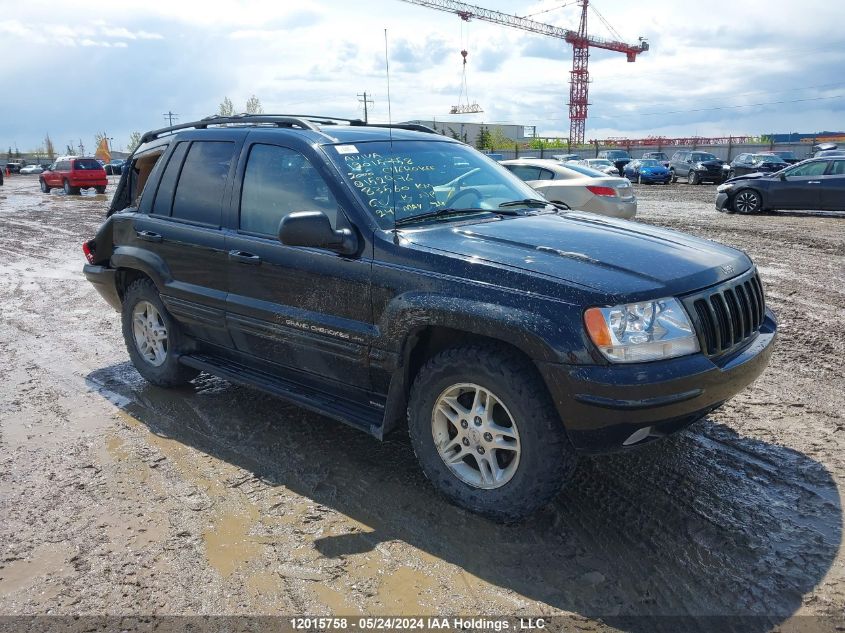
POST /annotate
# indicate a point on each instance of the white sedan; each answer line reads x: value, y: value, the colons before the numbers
x: 579, y: 187
x: 32, y: 169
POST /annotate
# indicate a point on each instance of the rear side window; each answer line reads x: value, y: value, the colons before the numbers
x: 810, y: 169
x: 277, y: 182
x: 199, y: 194
x: 838, y: 168
x: 527, y: 172
x: 164, y: 196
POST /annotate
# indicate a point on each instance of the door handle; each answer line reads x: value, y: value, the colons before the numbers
x: 244, y: 258
x: 148, y: 236
x: 814, y: 182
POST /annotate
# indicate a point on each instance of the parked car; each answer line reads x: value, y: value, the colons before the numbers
x: 752, y: 163
x: 817, y: 183
x: 647, y: 170
x: 696, y: 167
x: 786, y: 155
x: 658, y: 156
x: 114, y: 168
x: 618, y: 157
x: 566, y: 157
x: 505, y: 335
x: 15, y: 167
x: 600, y: 164
x: 595, y: 192
x: 32, y: 169
x: 73, y: 174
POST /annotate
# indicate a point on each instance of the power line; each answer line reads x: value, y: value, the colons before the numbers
x: 362, y: 98
x: 170, y: 116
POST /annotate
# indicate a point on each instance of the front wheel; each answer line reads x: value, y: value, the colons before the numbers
x: 672, y: 176
x: 70, y: 191
x: 486, y: 433
x: 45, y: 188
x: 747, y: 201
x: 692, y: 178
x: 153, y: 338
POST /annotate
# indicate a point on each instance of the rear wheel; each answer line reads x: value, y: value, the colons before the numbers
x: 70, y: 191
x: 153, y: 337
x: 486, y: 433
x: 747, y: 201
x: 45, y: 188
x: 100, y: 189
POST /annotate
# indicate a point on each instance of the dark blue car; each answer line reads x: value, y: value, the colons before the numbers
x: 647, y: 170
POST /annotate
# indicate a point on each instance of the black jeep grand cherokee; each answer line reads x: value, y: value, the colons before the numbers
x: 388, y: 276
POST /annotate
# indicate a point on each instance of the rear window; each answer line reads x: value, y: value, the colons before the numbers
x: 199, y: 194
x: 86, y: 164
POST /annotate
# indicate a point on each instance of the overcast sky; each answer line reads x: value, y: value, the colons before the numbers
x: 73, y: 69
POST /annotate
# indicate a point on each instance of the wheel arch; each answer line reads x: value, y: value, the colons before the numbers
x: 134, y: 263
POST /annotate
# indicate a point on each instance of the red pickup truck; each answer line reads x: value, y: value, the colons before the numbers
x: 73, y: 174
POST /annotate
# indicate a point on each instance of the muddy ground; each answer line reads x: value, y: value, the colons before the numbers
x: 117, y: 497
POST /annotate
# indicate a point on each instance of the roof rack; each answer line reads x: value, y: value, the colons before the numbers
x: 302, y: 121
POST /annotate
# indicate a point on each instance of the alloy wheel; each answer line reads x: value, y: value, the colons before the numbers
x: 475, y: 436
x: 747, y: 201
x: 150, y: 333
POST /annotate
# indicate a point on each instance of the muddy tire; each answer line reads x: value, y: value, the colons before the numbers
x: 70, y: 191
x: 692, y: 178
x: 153, y: 338
x: 100, y: 189
x: 44, y: 187
x: 486, y: 433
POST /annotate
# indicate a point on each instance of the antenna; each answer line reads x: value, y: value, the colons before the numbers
x: 390, y: 134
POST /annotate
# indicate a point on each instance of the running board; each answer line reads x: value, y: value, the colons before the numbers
x: 366, y: 418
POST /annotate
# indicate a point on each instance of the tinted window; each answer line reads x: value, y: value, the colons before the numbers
x: 810, y: 169
x: 525, y: 172
x: 700, y: 157
x: 87, y: 164
x: 164, y: 196
x: 199, y: 194
x: 279, y: 181
x: 63, y: 165
x: 838, y: 168
x: 587, y: 171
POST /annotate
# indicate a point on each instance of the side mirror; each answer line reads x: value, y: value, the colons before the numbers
x: 313, y: 228
x: 782, y: 176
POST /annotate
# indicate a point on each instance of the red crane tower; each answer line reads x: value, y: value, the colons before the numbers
x: 580, y: 41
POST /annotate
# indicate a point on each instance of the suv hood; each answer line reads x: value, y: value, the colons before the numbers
x: 618, y: 258
x: 710, y: 163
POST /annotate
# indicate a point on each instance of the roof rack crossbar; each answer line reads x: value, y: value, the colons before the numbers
x: 304, y: 121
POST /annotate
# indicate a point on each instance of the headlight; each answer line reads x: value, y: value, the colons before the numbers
x: 701, y: 166
x: 726, y: 187
x: 639, y: 332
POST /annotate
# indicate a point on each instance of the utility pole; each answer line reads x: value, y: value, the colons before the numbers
x: 362, y: 98
x: 170, y: 116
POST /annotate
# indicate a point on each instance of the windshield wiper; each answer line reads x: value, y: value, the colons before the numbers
x: 439, y: 213
x: 533, y: 203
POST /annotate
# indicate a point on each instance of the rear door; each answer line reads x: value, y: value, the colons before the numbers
x: 306, y: 310
x: 833, y: 186
x: 181, y: 223
x: 801, y: 187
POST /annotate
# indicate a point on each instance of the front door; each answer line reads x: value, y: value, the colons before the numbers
x: 801, y: 187
x: 306, y: 310
x: 833, y: 187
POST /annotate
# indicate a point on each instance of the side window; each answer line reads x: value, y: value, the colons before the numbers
x: 525, y: 172
x: 810, y: 169
x: 546, y: 174
x: 199, y: 193
x: 164, y: 195
x: 838, y: 168
x: 277, y: 182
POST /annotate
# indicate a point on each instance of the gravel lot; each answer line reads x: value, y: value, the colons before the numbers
x: 117, y: 497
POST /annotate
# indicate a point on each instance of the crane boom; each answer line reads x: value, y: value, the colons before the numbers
x: 579, y: 40
x: 467, y: 11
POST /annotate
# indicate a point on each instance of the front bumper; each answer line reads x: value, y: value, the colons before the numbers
x: 722, y: 201
x: 603, y: 406
x: 104, y: 281
x: 655, y: 177
x: 712, y: 176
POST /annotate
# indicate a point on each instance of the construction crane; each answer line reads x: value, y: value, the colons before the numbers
x: 580, y: 41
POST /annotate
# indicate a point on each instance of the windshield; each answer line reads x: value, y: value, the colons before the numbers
x: 412, y: 178
x: 700, y: 157
x: 767, y: 158
x: 587, y: 171
x: 618, y: 153
x: 649, y: 162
